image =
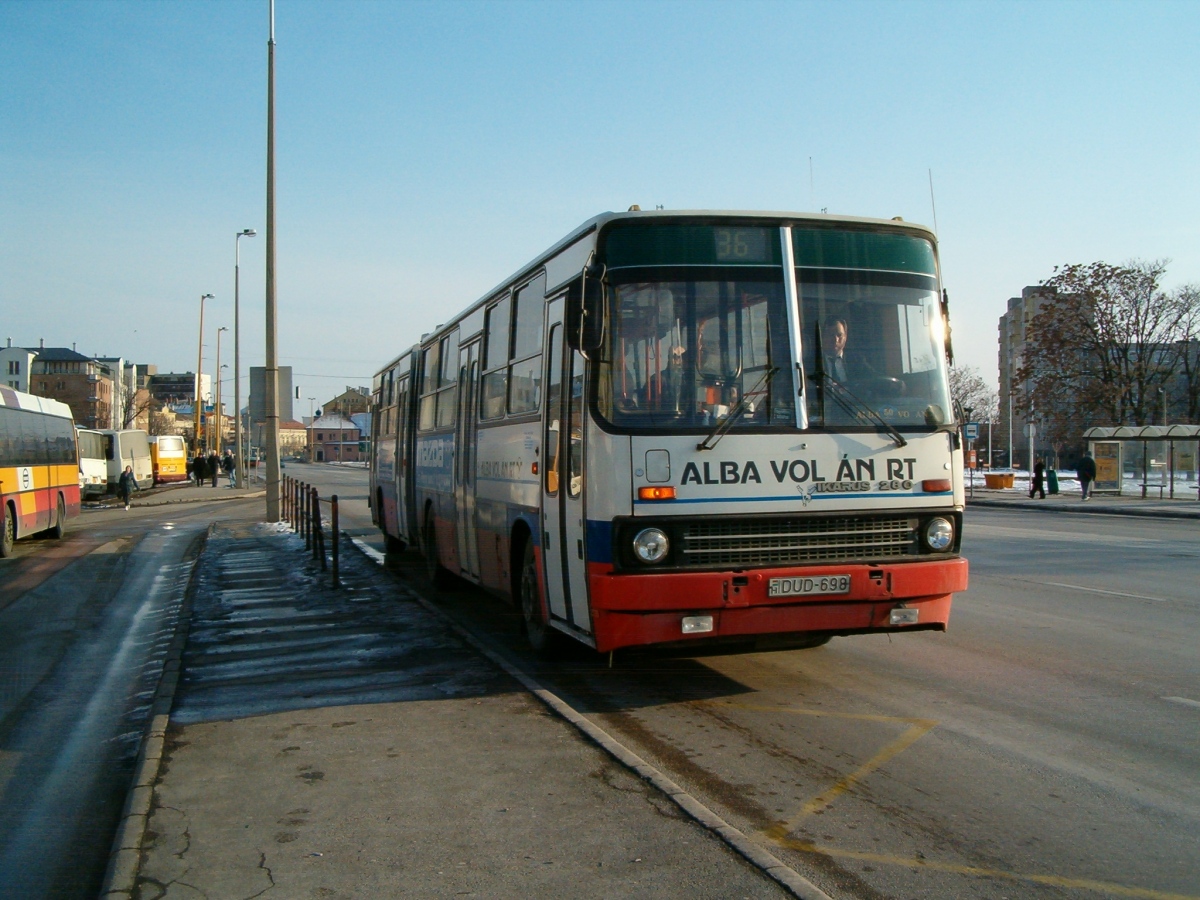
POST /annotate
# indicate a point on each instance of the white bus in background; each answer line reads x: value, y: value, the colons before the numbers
x: 93, y: 466
x: 128, y: 448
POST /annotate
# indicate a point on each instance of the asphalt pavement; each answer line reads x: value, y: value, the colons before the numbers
x: 347, y: 741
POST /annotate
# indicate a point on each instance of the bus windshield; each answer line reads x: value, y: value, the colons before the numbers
x: 685, y: 354
x: 872, y: 347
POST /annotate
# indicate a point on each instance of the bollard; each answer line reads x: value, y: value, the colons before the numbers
x: 296, y: 506
x: 333, y: 525
x: 284, y: 494
x: 318, y: 532
x: 306, y: 515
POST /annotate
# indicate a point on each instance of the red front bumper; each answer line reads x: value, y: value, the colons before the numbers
x: 628, y: 610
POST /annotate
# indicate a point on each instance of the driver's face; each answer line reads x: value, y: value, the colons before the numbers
x: 839, y: 338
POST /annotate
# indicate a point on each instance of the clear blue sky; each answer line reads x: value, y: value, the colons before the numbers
x: 427, y: 150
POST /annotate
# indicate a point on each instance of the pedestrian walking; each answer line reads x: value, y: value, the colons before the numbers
x: 1087, y: 474
x: 127, y: 484
x: 229, y: 467
x: 1038, y: 485
x: 199, y: 468
x: 214, y: 466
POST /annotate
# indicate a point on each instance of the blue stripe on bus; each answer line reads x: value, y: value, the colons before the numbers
x: 790, y: 498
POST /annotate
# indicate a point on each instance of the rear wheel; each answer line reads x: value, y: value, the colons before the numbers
x: 540, y: 635
x: 433, y: 568
x: 59, y: 528
x: 8, y: 533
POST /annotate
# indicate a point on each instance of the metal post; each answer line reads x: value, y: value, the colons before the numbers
x: 237, y: 359
x: 271, y: 364
x: 306, y: 499
x: 333, y: 527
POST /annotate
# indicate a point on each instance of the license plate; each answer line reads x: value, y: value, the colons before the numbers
x: 805, y: 587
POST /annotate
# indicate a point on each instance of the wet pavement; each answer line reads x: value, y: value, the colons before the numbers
x: 351, y: 742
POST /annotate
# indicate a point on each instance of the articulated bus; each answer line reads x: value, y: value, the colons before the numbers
x: 39, y: 467
x: 168, y: 458
x: 698, y: 427
x: 93, y: 467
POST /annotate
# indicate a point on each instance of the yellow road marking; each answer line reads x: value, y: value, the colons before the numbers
x: 1086, y: 884
x: 779, y: 832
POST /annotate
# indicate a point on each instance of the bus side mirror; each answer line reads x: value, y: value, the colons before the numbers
x: 946, y: 324
x: 585, y: 311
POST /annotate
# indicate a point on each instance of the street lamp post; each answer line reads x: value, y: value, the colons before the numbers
x: 216, y: 444
x: 237, y: 359
x: 199, y: 366
x: 312, y: 447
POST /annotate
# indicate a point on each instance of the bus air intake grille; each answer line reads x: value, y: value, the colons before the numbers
x: 768, y: 542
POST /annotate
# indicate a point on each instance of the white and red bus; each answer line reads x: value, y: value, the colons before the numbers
x: 675, y: 427
x: 39, y: 467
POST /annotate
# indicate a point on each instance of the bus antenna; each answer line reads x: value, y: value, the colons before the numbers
x: 933, y: 202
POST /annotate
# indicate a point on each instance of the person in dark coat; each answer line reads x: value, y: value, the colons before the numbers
x: 228, y: 467
x: 199, y: 468
x: 1038, y: 485
x: 1087, y: 474
x: 127, y: 484
x: 213, y: 465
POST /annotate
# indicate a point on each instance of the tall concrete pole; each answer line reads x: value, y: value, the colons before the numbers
x: 237, y: 359
x: 196, y: 399
x: 271, y: 393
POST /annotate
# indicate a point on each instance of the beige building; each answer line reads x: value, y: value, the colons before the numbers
x: 1016, y: 396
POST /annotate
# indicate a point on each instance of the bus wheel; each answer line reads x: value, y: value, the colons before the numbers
x: 9, y: 532
x: 433, y: 568
x: 539, y: 634
x: 59, y: 528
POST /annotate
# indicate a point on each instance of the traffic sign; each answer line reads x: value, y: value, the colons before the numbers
x: 972, y: 430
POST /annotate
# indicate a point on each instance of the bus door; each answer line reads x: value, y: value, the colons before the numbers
x: 563, y: 536
x: 464, y: 469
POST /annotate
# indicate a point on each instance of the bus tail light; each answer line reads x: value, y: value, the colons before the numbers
x: 936, y: 485
x: 656, y: 493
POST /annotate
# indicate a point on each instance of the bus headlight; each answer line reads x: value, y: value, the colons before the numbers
x: 650, y: 545
x: 939, y: 534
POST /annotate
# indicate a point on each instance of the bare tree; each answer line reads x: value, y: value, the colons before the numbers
x: 1100, y: 352
x: 134, y: 406
x: 968, y: 390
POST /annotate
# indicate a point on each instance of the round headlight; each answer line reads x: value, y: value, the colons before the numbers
x: 650, y: 545
x: 939, y: 534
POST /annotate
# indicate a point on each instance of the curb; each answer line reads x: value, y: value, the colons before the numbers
x: 754, y: 853
x: 168, y: 502
x: 125, y: 857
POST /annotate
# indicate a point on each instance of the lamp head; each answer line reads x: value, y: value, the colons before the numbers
x: 247, y: 232
x: 206, y: 296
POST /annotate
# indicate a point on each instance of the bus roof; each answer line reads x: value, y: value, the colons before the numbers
x: 49, y: 406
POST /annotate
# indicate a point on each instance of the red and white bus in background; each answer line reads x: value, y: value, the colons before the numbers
x: 39, y: 467
x: 690, y: 427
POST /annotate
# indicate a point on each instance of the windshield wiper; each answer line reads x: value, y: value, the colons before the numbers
x: 726, y: 423
x: 852, y: 404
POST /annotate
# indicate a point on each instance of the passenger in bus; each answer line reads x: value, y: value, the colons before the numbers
x: 127, y: 484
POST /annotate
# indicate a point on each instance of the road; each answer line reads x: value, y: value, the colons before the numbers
x: 1046, y: 746
x: 84, y: 628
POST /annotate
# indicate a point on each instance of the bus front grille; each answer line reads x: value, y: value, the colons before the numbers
x: 770, y: 542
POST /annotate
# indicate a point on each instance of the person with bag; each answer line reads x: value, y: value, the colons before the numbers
x: 127, y: 484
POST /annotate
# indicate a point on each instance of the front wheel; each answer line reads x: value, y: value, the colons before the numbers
x: 8, y: 533
x: 540, y: 635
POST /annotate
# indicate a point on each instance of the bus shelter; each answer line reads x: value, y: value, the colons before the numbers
x: 1169, y: 450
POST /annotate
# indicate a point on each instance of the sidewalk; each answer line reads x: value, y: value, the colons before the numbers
x: 1109, y: 504
x: 351, y: 743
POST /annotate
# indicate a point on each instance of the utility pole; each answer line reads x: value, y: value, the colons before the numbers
x: 271, y: 368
